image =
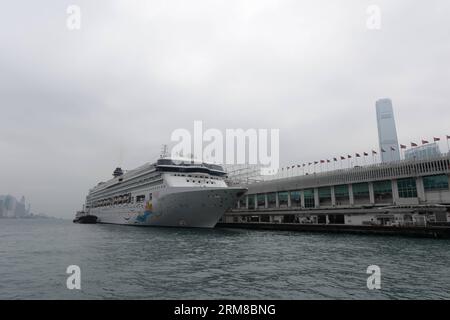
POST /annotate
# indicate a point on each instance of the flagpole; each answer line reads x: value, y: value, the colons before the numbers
x: 448, y: 148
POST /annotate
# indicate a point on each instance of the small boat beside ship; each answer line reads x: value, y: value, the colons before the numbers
x: 84, y: 218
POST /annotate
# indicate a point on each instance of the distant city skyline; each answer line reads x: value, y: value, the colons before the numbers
x: 10, y: 207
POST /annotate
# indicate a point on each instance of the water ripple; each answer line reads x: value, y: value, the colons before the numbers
x: 165, y: 263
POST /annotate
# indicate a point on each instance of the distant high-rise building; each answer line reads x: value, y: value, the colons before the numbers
x: 426, y: 151
x: 387, y: 132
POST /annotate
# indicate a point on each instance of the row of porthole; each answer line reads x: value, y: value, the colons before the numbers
x: 190, y: 176
x: 199, y: 181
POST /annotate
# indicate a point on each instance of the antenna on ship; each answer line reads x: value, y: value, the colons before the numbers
x: 164, y: 151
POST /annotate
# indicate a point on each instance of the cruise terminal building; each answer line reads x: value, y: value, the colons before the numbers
x: 400, y: 193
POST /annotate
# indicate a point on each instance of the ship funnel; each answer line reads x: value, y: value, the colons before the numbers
x: 118, y: 172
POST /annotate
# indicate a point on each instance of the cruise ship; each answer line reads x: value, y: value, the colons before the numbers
x: 169, y: 192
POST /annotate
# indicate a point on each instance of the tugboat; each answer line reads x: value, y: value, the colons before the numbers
x: 85, y: 218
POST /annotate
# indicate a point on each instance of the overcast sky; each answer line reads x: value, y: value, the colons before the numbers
x: 76, y: 104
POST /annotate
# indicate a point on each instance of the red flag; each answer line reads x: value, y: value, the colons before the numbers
x: 424, y: 141
x: 322, y: 161
x: 402, y: 146
x: 357, y: 154
x: 436, y: 139
x: 366, y: 154
x: 374, y: 152
x: 413, y: 144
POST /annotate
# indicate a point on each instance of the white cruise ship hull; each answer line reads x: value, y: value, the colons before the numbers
x: 174, y: 207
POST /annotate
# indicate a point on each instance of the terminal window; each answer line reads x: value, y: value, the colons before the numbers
x: 283, y: 198
x: 261, y: 199
x: 407, y: 188
x: 325, y: 196
x: 251, y: 201
x: 295, y: 199
x: 271, y: 199
x: 243, y: 202
x: 382, y: 191
x: 342, y: 195
x: 361, y: 190
x: 309, y: 198
x: 438, y: 182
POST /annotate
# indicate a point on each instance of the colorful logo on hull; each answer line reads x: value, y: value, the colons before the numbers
x: 148, y: 211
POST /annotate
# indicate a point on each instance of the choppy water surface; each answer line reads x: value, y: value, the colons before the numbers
x: 170, y: 263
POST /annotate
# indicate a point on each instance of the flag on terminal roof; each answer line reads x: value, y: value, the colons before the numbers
x: 358, y: 155
x: 342, y: 158
x: 424, y: 141
x: 328, y: 161
x: 322, y: 161
x: 448, y: 137
x: 293, y: 167
x: 349, y: 156
x: 374, y: 152
x: 413, y: 144
x: 402, y: 146
x: 382, y: 150
x: 309, y: 163
x: 436, y: 139
x: 366, y: 154
x: 335, y: 159
x: 392, y: 148
x: 315, y: 162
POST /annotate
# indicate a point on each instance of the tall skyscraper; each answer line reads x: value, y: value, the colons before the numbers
x: 387, y: 133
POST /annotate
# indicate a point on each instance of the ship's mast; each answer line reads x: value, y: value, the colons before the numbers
x: 164, y: 151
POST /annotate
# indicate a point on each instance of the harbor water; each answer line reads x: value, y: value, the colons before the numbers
x: 125, y: 262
